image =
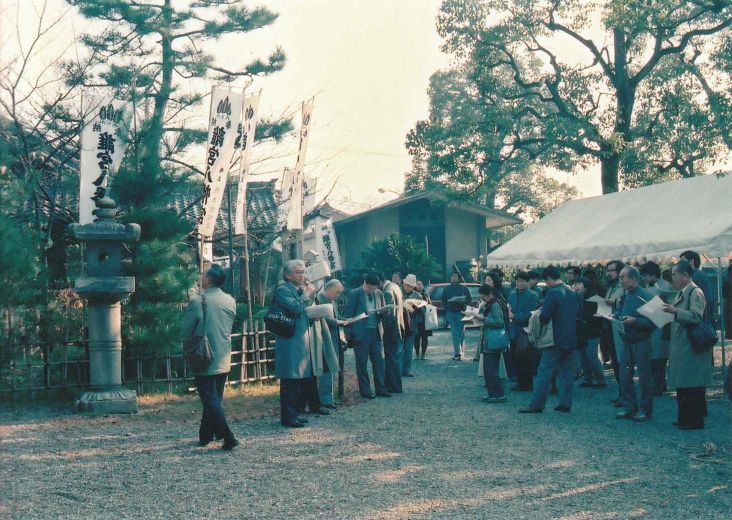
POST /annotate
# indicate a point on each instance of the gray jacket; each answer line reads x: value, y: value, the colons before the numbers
x: 220, y: 312
x: 356, y: 304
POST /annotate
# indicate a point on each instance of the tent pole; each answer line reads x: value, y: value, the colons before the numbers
x: 720, y: 307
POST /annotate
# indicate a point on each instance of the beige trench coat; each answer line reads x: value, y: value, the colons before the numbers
x: 688, y: 369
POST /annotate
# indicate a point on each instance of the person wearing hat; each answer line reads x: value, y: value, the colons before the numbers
x: 413, y: 316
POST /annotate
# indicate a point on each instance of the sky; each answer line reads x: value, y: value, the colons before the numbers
x: 367, y: 62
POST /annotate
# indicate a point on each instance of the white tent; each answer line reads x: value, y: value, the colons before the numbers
x: 655, y: 222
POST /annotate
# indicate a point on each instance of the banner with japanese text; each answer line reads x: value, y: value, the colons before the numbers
x: 294, y: 217
x: 326, y: 243
x: 103, y: 141
x: 222, y: 133
x: 248, y: 127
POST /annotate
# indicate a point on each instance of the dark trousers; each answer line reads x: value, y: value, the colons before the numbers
x: 692, y: 404
x: 526, y: 362
x: 213, y: 420
x: 309, y: 394
x: 369, y: 348
x: 393, y: 354
x: 420, y: 340
x: 491, y: 361
x: 294, y: 395
x: 607, y: 346
x: 658, y: 369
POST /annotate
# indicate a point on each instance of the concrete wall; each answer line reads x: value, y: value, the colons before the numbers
x: 357, y: 235
x: 462, y: 235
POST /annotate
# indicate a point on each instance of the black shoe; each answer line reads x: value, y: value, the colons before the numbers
x: 330, y: 406
x: 561, y: 408
x: 301, y: 419
x: 293, y: 424
x: 408, y: 375
x: 203, y: 443
x: 230, y: 444
x: 384, y: 395
x: 599, y: 385
x: 369, y: 396
x: 530, y: 410
x: 322, y: 411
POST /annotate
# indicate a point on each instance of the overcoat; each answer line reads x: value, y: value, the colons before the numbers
x: 688, y: 369
x: 294, y: 357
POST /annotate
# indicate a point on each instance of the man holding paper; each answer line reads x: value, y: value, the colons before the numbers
x: 661, y: 290
x: 365, y: 334
x: 636, y: 348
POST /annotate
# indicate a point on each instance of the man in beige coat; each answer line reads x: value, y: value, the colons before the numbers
x: 220, y: 309
x: 689, y: 371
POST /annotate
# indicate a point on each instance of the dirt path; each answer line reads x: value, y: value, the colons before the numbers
x: 435, y: 452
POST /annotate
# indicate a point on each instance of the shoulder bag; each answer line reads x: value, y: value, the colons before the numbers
x: 278, y: 322
x: 701, y: 335
x: 198, y: 351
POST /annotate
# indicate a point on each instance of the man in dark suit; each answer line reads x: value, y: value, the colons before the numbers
x: 561, y: 308
x: 365, y: 334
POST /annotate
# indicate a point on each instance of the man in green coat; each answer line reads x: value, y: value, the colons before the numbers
x: 220, y: 310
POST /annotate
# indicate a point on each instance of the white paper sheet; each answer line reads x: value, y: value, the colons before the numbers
x: 360, y: 317
x: 324, y: 310
x: 603, y: 309
x: 414, y: 302
x: 387, y: 308
x: 471, y: 312
x: 458, y: 299
x: 653, y: 310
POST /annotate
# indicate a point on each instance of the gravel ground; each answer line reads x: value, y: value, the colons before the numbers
x: 435, y: 451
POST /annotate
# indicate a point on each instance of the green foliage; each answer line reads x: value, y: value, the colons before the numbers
x: 397, y: 253
x: 468, y: 148
x: 642, y: 88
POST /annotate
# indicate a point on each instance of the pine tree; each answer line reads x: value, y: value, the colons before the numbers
x: 148, y: 54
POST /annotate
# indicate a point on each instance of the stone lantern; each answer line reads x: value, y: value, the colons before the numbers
x: 103, y: 288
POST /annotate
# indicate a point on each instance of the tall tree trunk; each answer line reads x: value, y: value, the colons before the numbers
x: 154, y: 137
x: 609, y: 168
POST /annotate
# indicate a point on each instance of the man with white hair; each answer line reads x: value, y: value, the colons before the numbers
x: 636, y: 335
x: 330, y: 293
x: 294, y: 356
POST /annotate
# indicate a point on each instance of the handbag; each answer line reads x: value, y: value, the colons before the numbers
x: 278, y: 322
x: 430, y: 318
x: 495, y: 340
x: 701, y: 335
x: 198, y: 351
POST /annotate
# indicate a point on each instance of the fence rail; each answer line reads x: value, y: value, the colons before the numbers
x: 35, y: 369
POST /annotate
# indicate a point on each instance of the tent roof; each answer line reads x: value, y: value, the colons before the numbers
x: 656, y: 222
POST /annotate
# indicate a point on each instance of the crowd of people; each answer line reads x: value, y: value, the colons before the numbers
x: 543, y: 339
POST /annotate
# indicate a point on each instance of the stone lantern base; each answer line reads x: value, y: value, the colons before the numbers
x: 116, y: 400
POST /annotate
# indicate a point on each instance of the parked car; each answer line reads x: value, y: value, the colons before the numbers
x: 435, y: 292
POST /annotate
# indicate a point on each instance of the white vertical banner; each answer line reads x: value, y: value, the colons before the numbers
x: 103, y: 142
x: 207, y: 252
x: 294, y: 217
x: 248, y: 127
x: 326, y: 243
x: 222, y: 132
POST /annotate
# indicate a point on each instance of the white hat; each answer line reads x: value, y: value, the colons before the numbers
x: 410, y: 280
